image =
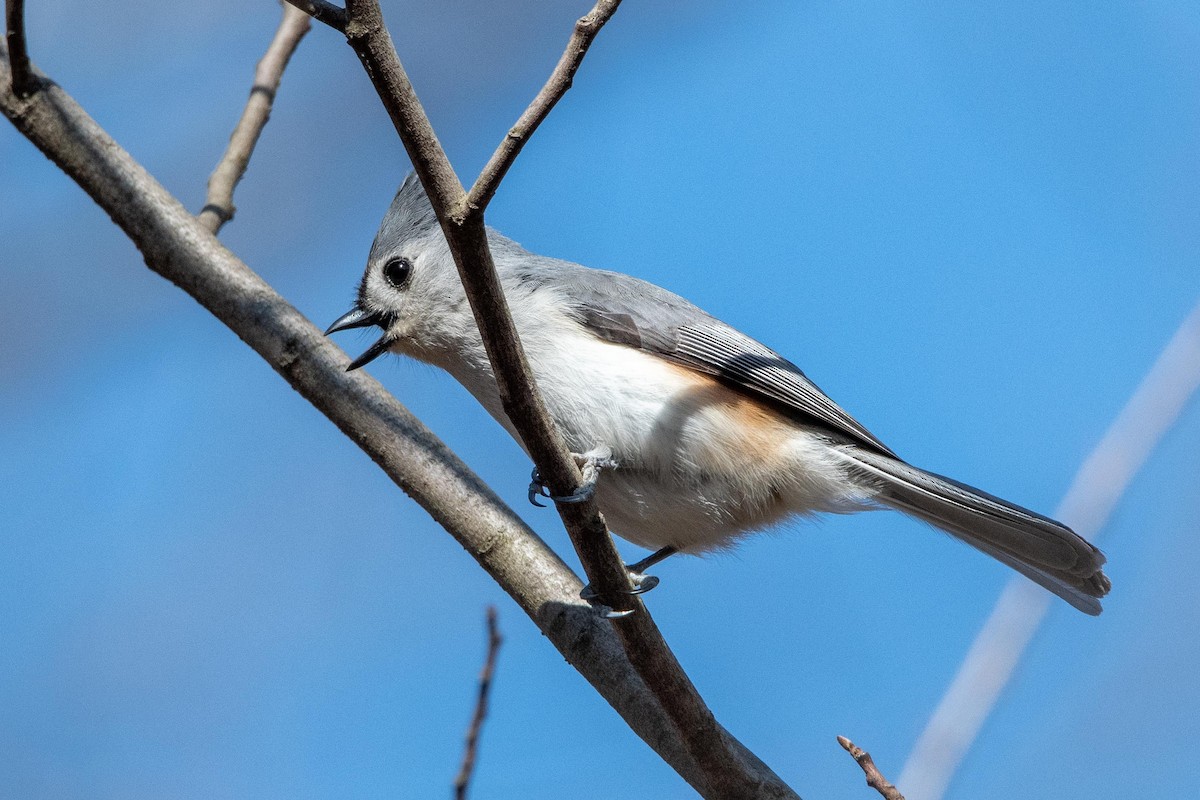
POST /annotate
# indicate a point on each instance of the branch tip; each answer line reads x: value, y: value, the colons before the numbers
x: 557, y: 85
x: 218, y: 208
x: 874, y: 777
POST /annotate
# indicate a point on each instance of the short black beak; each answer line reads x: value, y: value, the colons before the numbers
x: 358, y: 318
x: 354, y: 318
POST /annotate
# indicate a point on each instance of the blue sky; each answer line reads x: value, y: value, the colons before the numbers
x: 974, y: 227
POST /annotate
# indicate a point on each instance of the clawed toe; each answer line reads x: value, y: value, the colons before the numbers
x: 592, y: 597
x: 537, y: 489
x: 590, y: 464
x: 609, y: 613
x: 642, y: 583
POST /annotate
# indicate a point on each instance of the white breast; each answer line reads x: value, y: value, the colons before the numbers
x: 698, y: 463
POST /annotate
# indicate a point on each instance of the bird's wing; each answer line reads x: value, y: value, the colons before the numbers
x: 624, y: 310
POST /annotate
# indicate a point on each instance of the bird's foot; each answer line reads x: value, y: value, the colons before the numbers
x: 590, y: 464
x: 641, y: 582
x: 641, y: 585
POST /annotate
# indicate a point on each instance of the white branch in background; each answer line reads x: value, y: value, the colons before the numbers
x: 1086, y: 507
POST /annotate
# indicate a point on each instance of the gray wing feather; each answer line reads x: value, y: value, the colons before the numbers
x: 734, y: 357
x: 625, y: 310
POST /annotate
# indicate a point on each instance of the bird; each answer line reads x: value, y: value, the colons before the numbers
x: 692, y: 434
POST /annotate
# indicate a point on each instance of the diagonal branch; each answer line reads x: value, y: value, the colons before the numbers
x: 467, y: 238
x: 1168, y: 387
x: 177, y: 247
x: 556, y: 86
x: 21, y: 75
x: 463, y: 781
x: 219, y: 208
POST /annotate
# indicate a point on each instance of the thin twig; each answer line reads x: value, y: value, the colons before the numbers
x: 556, y: 86
x: 466, y: 236
x: 726, y: 774
x: 875, y: 778
x: 463, y: 781
x: 322, y: 11
x: 467, y: 239
x: 23, y: 82
x: 219, y: 207
x: 1098, y: 486
x: 175, y: 245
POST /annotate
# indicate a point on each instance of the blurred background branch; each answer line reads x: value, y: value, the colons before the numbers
x: 462, y: 781
x: 1097, y: 489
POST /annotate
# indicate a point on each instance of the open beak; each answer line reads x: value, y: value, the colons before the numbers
x: 354, y: 318
x: 358, y: 318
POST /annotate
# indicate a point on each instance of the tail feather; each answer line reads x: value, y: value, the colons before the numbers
x: 1043, y: 550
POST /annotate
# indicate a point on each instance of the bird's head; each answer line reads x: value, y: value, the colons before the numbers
x: 410, y: 289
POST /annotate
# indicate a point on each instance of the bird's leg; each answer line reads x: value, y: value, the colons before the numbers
x: 590, y: 464
x: 641, y: 583
x: 650, y: 560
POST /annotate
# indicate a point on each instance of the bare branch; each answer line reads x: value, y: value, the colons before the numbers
x: 322, y: 11
x: 219, y: 207
x: 463, y: 781
x: 556, y: 86
x: 467, y: 238
x: 371, y: 42
x: 987, y: 668
x: 726, y: 773
x: 177, y: 247
x: 875, y: 778
x: 23, y: 82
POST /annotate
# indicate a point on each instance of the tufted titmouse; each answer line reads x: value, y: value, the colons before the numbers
x: 708, y: 435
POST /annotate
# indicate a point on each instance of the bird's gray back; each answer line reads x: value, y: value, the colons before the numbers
x: 625, y: 310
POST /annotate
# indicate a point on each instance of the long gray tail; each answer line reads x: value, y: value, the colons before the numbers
x: 1047, y: 552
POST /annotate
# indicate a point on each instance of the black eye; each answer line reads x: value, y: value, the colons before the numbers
x: 396, y: 271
